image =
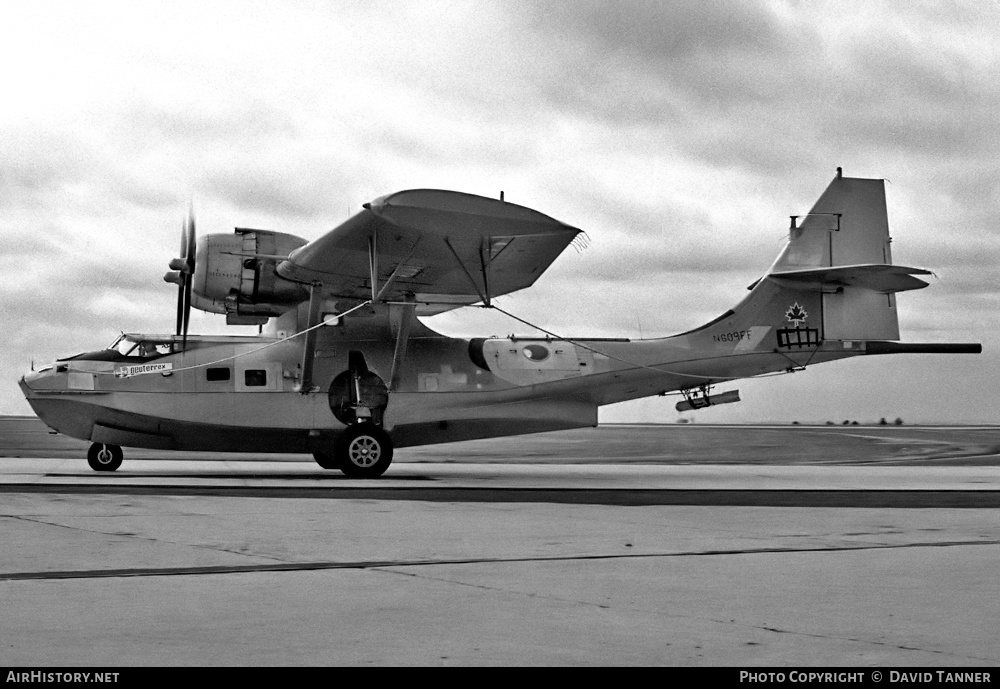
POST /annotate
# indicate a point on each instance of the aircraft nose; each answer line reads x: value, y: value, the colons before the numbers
x: 28, y: 378
x: 36, y: 380
x: 24, y: 384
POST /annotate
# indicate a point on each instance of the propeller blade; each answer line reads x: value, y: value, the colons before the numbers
x: 187, y: 309
x: 189, y: 242
x: 180, y: 304
x: 190, y: 247
x: 182, y: 273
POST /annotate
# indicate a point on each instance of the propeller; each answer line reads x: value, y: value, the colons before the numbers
x: 182, y: 274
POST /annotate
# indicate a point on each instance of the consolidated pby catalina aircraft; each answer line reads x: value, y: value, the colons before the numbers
x: 345, y: 370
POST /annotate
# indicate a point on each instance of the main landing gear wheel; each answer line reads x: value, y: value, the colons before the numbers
x: 326, y: 460
x: 103, y: 457
x: 364, y: 451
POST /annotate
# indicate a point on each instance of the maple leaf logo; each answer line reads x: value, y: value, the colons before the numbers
x: 796, y: 315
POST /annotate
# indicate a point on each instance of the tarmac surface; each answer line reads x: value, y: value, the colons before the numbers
x: 624, y: 545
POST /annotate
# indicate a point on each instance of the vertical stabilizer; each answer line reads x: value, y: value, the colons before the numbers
x: 834, y: 280
x: 846, y: 229
x: 847, y: 226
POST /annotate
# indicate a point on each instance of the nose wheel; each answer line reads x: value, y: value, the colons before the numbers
x: 103, y: 457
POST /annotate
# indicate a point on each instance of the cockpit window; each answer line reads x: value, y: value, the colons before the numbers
x: 147, y: 349
x: 122, y: 344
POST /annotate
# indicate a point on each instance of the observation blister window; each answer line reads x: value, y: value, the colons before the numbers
x: 535, y: 352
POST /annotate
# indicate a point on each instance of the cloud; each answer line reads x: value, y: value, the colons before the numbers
x: 644, y: 62
x: 35, y: 162
x: 306, y: 186
x: 765, y: 87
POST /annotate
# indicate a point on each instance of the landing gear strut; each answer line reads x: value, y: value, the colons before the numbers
x: 102, y: 457
x: 358, y: 398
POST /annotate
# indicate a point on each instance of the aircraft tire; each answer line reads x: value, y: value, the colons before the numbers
x: 364, y: 451
x: 103, y: 457
x: 326, y: 460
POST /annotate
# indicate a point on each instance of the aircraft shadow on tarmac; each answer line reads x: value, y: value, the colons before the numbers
x: 324, y: 476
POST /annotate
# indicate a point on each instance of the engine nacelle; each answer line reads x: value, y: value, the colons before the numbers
x: 235, y: 274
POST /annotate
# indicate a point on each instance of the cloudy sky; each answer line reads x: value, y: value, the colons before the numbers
x: 679, y: 135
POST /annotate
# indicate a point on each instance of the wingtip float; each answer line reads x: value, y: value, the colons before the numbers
x: 345, y: 370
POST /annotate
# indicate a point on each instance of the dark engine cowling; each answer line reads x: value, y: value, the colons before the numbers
x: 235, y: 274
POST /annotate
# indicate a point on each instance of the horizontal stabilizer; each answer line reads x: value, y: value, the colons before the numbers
x: 921, y: 348
x: 876, y: 277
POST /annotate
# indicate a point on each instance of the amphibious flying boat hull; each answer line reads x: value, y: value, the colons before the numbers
x: 286, y: 421
x: 445, y: 417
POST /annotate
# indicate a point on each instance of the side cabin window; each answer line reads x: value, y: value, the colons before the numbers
x: 255, y: 377
x: 217, y: 374
x: 258, y: 376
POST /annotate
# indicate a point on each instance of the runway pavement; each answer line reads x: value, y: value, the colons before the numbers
x: 252, y: 561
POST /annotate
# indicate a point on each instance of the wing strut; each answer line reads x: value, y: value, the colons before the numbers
x: 483, y: 296
x: 395, y: 272
x: 373, y: 265
x: 309, y: 349
x: 406, y: 315
x: 486, y: 278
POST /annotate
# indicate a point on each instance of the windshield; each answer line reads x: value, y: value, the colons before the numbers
x: 129, y: 345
